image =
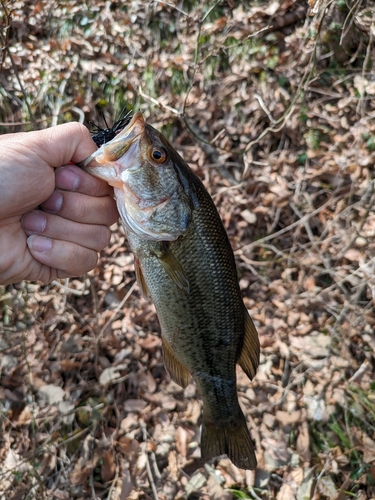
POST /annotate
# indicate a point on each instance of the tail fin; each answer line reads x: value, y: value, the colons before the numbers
x: 232, y: 440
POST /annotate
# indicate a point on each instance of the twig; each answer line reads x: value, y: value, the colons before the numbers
x: 306, y: 224
x: 369, y: 197
x: 346, y: 278
x: 80, y: 113
x: 59, y: 102
x: 210, y: 151
x: 120, y: 305
x: 102, y: 330
x: 75, y: 436
x: 196, y: 54
x: 67, y: 289
x: 5, y: 39
x: 14, y: 67
x: 285, y: 229
x: 155, y: 465
x: 265, y: 109
x: 251, y: 489
x: 114, y: 481
x: 148, y: 467
x: 322, y: 472
x: 346, y: 27
x: 188, y: 16
x: 275, y: 219
x: 361, y: 370
x: 157, y: 102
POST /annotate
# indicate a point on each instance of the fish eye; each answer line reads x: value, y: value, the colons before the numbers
x: 158, y: 155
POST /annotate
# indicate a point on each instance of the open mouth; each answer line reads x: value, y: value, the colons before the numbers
x: 113, y: 150
x: 135, y: 124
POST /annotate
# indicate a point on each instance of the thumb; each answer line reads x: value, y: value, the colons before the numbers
x: 70, y: 142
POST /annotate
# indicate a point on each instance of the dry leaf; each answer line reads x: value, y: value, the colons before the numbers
x: 108, y: 468
x: 134, y: 405
x: 111, y: 374
x: 51, y: 394
x: 127, y: 483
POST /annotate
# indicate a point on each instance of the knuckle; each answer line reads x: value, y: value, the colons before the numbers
x: 92, y: 261
x: 104, y: 237
x: 79, y: 129
x: 98, y: 186
x: 80, y: 210
x: 89, y: 260
x: 80, y: 260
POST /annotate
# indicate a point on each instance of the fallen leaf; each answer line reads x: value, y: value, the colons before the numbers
x: 195, y: 483
x: 108, y: 468
x: 127, y: 483
x: 51, y: 394
x: 111, y: 374
x: 134, y: 405
x: 285, y: 493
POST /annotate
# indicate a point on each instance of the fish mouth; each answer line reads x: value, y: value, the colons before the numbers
x: 117, y: 147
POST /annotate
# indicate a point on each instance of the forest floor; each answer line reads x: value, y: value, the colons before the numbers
x: 272, y: 103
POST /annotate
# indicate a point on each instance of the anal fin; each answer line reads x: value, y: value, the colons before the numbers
x: 249, y: 358
x: 176, y: 370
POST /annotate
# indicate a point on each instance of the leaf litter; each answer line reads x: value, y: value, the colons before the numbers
x: 276, y: 117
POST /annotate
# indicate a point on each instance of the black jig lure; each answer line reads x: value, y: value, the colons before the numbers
x: 103, y: 135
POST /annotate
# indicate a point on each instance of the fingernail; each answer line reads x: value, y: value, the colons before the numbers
x: 34, y: 222
x: 39, y: 243
x: 54, y: 202
x: 66, y: 178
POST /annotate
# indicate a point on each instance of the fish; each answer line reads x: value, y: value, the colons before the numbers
x: 184, y: 262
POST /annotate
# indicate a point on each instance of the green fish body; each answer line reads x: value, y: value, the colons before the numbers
x: 185, y: 263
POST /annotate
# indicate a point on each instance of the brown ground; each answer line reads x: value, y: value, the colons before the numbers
x: 274, y: 109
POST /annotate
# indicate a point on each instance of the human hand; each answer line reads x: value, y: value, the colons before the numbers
x: 52, y: 222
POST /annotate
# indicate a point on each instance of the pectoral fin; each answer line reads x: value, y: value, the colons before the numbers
x: 174, y: 269
x: 249, y: 358
x: 141, y: 279
x: 176, y: 370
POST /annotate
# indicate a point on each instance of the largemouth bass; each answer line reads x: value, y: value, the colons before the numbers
x: 184, y: 262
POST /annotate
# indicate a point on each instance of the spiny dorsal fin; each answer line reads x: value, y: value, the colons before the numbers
x: 176, y: 370
x: 141, y: 279
x: 174, y: 269
x: 249, y: 358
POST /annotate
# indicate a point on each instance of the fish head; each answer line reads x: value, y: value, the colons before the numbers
x: 142, y: 167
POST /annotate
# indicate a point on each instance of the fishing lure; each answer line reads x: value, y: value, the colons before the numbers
x: 103, y: 135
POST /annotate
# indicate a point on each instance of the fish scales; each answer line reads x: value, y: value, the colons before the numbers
x: 185, y: 263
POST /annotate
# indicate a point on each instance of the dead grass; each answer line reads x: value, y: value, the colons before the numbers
x: 274, y: 109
